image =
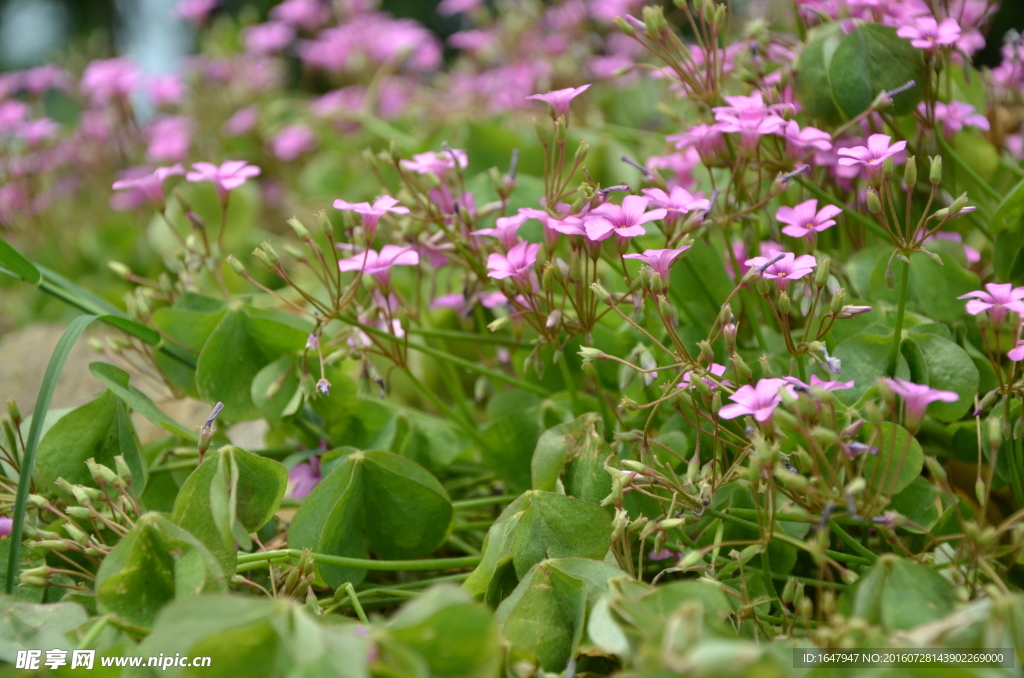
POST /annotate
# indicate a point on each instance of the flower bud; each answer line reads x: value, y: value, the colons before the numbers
x: 691, y: 560
x: 301, y: 232
x: 821, y: 272
x: 784, y: 303
x: 52, y: 545
x: 958, y: 205
x: 707, y: 354
x: 120, y: 270
x: 236, y: 265
x: 624, y: 26
x: 264, y: 259
x: 499, y: 324
x: 589, y: 353
x: 743, y: 371
x: 600, y: 292
x: 79, y: 512
x: 935, y: 170
x: 888, y: 167
x: 910, y: 173
x: 837, y: 300
x: 581, y: 152
x: 874, y: 204
x: 542, y: 132
x: 762, y: 286
x: 13, y: 412
x: 560, y: 130
x: 654, y: 20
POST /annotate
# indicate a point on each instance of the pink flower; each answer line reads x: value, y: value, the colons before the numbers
x: 151, y: 184
x: 788, y: 267
x: 303, y: 477
x: 450, y: 7
x: 559, y: 99
x: 927, y: 34
x: 818, y: 383
x: 268, y: 38
x: 195, y: 11
x: 716, y: 370
x: 677, y: 200
x: 436, y: 163
x: 308, y: 14
x: 956, y: 115
x: 230, y: 175
x: 108, y: 79
x: 705, y: 139
x: 625, y: 221
x: 166, y: 89
x: 379, y: 264
x: 659, y: 260
x: 916, y: 399
x: 972, y: 255
x: 805, y: 218
x: 12, y: 114
x: 169, y: 138
x: 996, y: 301
x: 372, y: 213
x: 292, y: 141
x: 505, y: 229
x: 517, y: 264
x: 37, y: 131
x: 1016, y: 354
x: 871, y: 156
x: 748, y: 116
x: 241, y: 122
x: 799, y: 140
x: 758, y: 401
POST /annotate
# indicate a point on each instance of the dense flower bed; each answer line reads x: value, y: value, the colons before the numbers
x: 613, y: 339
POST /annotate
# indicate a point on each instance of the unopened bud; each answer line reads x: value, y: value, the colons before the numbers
x: 784, y: 303
x: 935, y: 170
x: 910, y: 173
x: 743, y: 371
x: 707, y: 354
x: 236, y: 265
x: 935, y: 469
x: 821, y: 272
x: 958, y: 205
x: 13, y: 412
x: 301, y: 232
x: 326, y: 227
x: 600, y: 292
x: 264, y: 259
x: 542, y: 132
x: 581, y: 152
x: 120, y: 270
x: 560, y: 130
x: 888, y: 167
x: 499, y: 324
x: 874, y: 204
x: 654, y: 19
x: 79, y: 512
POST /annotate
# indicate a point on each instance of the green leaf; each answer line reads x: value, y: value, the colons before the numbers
x: 374, y: 502
x: 576, y: 451
x: 28, y: 459
x: 545, y: 616
x: 130, y: 448
x: 813, y: 86
x: 510, y: 445
x: 1010, y: 210
x: 152, y: 565
x: 116, y: 379
x: 917, y: 502
x: 873, y: 59
x: 864, y: 358
x: 89, y: 431
x: 429, y: 623
x: 29, y: 626
x: 275, y: 385
x: 536, y: 526
x: 898, y: 594
x: 899, y: 459
x: 241, y: 345
x: 941, y: 364
x: 256, y: 486
x: 13, y: 261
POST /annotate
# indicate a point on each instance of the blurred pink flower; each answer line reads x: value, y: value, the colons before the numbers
x: 166, y: 89
x: 268, y: 37
x: 151, y: 184
x: 1016, y: 354
x: 307, y: 14
x: 292, y: 141
x: 378, y: 264
x: 625, y: 221
x: 715, y: 369
x: 806, y: 218
x: 41, y: 78
x: 758, y: 401
x: 517, y: 264
x: 243, y: 120
x: 916, y: 399
x: 436, y: 163
x: 996, y: 301
x: 169, y: 138
x: 372, y: 213
x: 681, y: 164
x: 303, y: 477
x: 818, y: 383
x: 956, y: 115
x: 227, y: 177
x: 749, y: 117
x: 35, y: 132
x: 706, y: 139
x: 799, y: 140
x: 450, y: 7
x: 676, y: 201
x: 926, y: 33
x: 972, y: 255
x: 6, y: 526
x: 195, y: 11
x: 12, y: 114
x: 107, y: 79
x: 559, y: 99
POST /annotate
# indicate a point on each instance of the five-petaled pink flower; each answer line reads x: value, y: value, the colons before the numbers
x: 716, y: 370
x: 230, y: 175
x: 378, y: 264
x: 625, y: 221
x: 660, y: 261
x: 759, y: 400
x: 505, y: 229
x: 799, y: 140
x: 559, y: 99
x: 107, y: 79
x: 873, y: 155
x: 304, y: 476
x: 676, y: 201
x: 372, y: 213
x: 996, y: 301
x: 784, y: 267
x: 916, y: 399
x: 517, y: 264
x: 151, y: 184
x: 956, y: 115
x: 436, y: 163
x: 926, y: 33
x: 806, y: 218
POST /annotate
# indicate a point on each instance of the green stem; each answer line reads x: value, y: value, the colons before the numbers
x: 484, y: 501
x: 857, y: 547
x: 354, y: 599
x: 93, y: 633
x: 897, y: 336
x: 1014, y: 462
x: 801, y: 369
x: 363, y: 563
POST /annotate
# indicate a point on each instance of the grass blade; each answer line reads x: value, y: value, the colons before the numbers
x: 53, y: 370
